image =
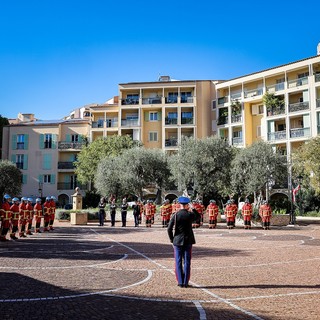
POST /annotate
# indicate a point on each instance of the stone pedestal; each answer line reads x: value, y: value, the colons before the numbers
x: 77, y: 200
x: 280, y: 220
x: 78, y: 218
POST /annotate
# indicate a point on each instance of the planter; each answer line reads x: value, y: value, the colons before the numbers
x: 280, y: 220
x: 78, y: 218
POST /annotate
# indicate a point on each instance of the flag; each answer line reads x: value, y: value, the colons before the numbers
x: 295, y: 191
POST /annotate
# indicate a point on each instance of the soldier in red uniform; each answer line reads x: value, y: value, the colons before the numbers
x: 197, y: 207
x: 140, y: 203
x: 15, y: 218
x: 165, y: 212
x: 38, y: 214
x: 46, y: 213
x: 30, y: 216
x: 202, y: 210
x: 23, y: 217
x: 229, y: 214
x: 53, y: 212
x: 265, y: 213
x: 149, y: 209
x: 5, y: 217
x: 246, y: 212
x: 175, y: 207
x: 212, y: 211
x: 153, y: 211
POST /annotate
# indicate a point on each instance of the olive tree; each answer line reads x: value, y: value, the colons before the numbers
x: 10, y: 178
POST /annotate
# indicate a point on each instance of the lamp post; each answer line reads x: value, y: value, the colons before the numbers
x: 294, y: 191
x: 40, y: 189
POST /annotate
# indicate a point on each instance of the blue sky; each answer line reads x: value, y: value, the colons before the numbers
x: 58, y: 55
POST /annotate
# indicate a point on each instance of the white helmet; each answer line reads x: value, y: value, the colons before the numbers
x: 38, y: 200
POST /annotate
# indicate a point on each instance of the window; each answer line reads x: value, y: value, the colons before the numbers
x: 172, y: 97
x: 19, y: 161
x: 153, y: 136
x: 214, y: 104
x: 47, y: 178
x: 132, y: 116
x: 153, y: 116
x: 20, y: 141
x: 172, y: 115
x: 75, y: 138
x: 48, y: 141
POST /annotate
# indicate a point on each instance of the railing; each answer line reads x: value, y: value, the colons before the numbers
x: 171, y: 142
x: 276, y: 110
x: 277, y: 135
x: 71, y: 186
x: 223, y: 100
x: 253, y: 93
x: 129, y: 123
x: 236, y: 118
x: 171, y: 100
x: 129, y: 101
x: 318, y: 103
x: 111, y: 123
x: 171, y: 120
x: 97, y: 124
x: 186, y: 99
x: 299, y: 132
x: 297, y: 82
x: 66, y: 165
x: 235, y: 96
x: 237, y: 141
x: 275, y: 87
x: 294, y: 107
x: 20, y: 145
x: 222, y: 120
x: 155, y: 100
x: 186, y: 120
x: 70, y: 145
x: 317, y: 77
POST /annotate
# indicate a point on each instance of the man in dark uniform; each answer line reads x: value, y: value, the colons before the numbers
x: 182, y: 239
x: 136, y: 213
x: 102, y: 212
x: 113, y: 209
x: 124, y: 210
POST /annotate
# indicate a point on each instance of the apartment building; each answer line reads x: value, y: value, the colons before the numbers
x: 242, y: 118
x: 45, y: 152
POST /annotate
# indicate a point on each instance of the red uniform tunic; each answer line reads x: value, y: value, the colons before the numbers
x: 265, y: 212
x: 212, y: 211
x: 52, y: 214
x: 14, y: 220
x: 246, y: 212
x: 30, y: 217
x: 46, y: 215
x: 24, y: 213
x: 149, y: 211
x: 37, y: 215
x: 6, y: 215
x: 198, y: 208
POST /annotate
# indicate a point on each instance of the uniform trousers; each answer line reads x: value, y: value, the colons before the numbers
x: 182, y: 257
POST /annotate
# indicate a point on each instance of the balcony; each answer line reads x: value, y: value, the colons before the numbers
x: 71, y: 186
x: 318, y: 103
x: 236, y: 118
x: 112, y: 123
x: 154, y: 100
x: 184, y: 99
x: 129, y: 101
x: 237, y: 141
x: 277, y: 135
x: 299, y: 132
x: 97, y: 124
x: 300, y: 106
x: 222, y: 120
x: 297, y: 82
x: 223, y: 100
x: 235, y: 96
x: 275, y: 87
x: 169, y: 100
x: 253, y: 93
x: 129, y: 123
x: 317, y: 77
x: 273, y: 111
x: 171, y: 121
x: 63, y: 145
x: 186, y: 120
x: 173, y: 142
x: 66, y: 165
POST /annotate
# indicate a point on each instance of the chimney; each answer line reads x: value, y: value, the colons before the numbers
x: 318, y: 49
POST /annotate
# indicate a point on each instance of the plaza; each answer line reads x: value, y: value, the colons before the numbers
x: 92, y: 272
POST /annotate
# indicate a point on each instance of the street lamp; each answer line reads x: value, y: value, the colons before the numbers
x: 40, y: 189
x: 294, y: 191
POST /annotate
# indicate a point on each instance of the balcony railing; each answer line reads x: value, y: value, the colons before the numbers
x: 253, y: 93
x: 222, y: 120
x: 97, y: 124
x: 111, y: 123
x: 237, y: 141
x: 169, y: 121
x: 236, y: 118
x: 275, y: 87
x: 223, y: 100
x: 173, y: 142
x: 71, y: 186
x: 155, y: 100
x: 186, y: 120
x: 318, y: 103
x: 235, y: 96
x: 273, y: 111
x: 129, y: 123
x: 277, y: 135
x: 71, y: 145
x: 66, y: 165
x: 20, y: 145
x: 171, y: 100
x: 317, y: 77
x: 299, y: 132
x: 297, y: 82
x: 129, y: 101
x: 186, y: 99
x: 294, y: 107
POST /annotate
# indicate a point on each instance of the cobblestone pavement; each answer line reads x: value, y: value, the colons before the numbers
x: 92, y: 272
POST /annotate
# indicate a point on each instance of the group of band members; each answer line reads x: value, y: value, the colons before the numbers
x: 17, y: 216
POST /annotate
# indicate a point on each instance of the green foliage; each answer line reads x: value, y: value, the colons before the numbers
x: 256, y: 167
x: 272, y: 101
x: 91, y: 199
x: 90, y: 155
x: 10, y: 179
x: 203, y: 165
x: 306, y: 162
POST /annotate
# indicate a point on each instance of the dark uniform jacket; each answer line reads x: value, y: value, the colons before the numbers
x: 182, y: 221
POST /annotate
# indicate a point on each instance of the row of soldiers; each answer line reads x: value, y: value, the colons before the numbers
x: 18, y: 216
x: 230, y: 211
